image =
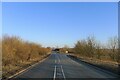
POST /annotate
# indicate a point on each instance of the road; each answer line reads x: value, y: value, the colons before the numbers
x: 61, y: 66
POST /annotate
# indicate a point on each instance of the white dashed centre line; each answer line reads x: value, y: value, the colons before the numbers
x: 55, y: 61
x: 54, y: 73
x: 63, y: 73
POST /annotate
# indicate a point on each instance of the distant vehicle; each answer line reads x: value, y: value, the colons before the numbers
x: 56, y: 50
x: 66, y: 52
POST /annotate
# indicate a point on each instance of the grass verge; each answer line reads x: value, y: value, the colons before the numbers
x: 106, y: 65
x: 18, y: 68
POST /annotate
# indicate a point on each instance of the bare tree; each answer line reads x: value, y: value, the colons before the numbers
x: 113, y: 46
x: 91, y: 45
x: 98, y: 51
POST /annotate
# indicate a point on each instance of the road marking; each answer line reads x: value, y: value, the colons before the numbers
x: 63, y: 73
x: 58, y: 59
x: 55, y: 61
x: 26, y: 69
x: 54, y: 73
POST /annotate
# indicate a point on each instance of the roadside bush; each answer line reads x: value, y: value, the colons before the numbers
x: 91, y: 48
x: 113, y: 46
x: 17, y: 53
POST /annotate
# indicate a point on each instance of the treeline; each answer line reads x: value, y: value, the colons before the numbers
x: 103, y: 55
x: 17, y: 53
x: 92, y: 48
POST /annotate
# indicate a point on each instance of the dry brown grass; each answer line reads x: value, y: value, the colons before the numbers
x: 17, y: 53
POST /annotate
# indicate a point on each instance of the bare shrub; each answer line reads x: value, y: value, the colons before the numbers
x: 85, y: 47
x: 91, y: 48
x: 17, y: 52
x: 113, y: 46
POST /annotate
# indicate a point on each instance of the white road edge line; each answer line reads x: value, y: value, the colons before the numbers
x: 63, y: 73
x: 54, y: 73
x: 22, y: 71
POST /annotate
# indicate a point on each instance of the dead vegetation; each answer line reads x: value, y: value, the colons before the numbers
x: 17, y: 53
x: 92, y: 51
x: 91, y: 48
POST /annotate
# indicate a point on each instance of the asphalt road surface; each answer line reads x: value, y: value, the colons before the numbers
x: 61, y: 66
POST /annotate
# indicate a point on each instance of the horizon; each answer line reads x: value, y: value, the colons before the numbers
x: 59, y: 24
